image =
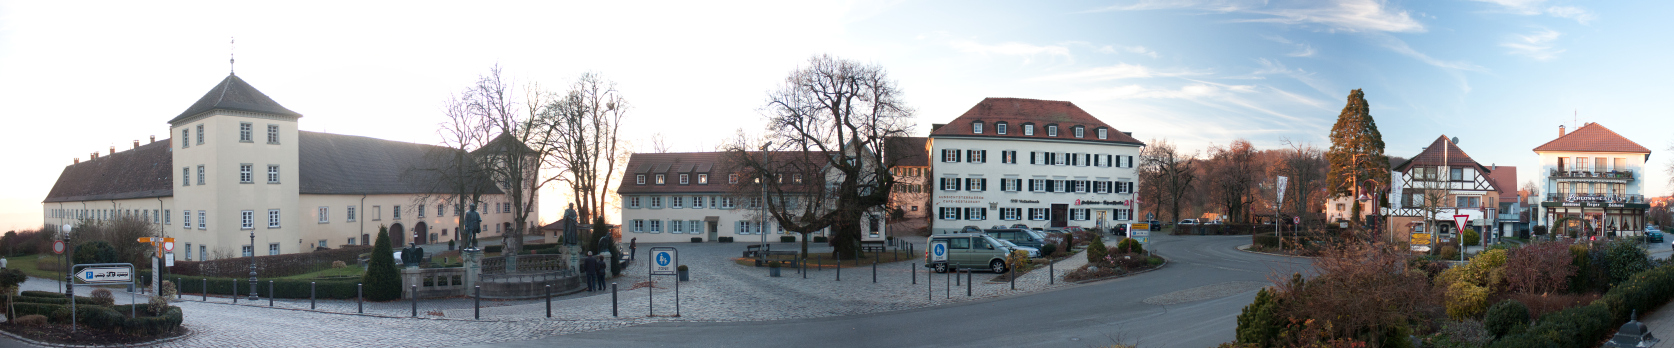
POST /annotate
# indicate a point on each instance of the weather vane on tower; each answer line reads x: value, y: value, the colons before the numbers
x: 230, y: 46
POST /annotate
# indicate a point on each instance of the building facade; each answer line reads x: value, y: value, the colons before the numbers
x: 1433, y: 187
x: 681, y: 197
x: 909, y: 206
x: 1593, y: 179
x: 239, y: 167
x: 1039, y: 163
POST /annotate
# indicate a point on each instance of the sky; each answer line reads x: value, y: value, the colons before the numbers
x: 1501, y: 75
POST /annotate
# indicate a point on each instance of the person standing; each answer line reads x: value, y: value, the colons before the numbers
x: 589, y: 266
x: 633, y: 249
x: 599, y: 273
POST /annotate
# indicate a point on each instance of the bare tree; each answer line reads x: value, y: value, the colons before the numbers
x: 586, y: 149
x: 1232, y: 177
x: 659, y: 144
x: 468, y: 125
x: 833, y: 117
x: 1305, y: 165
x: 1174, y: 173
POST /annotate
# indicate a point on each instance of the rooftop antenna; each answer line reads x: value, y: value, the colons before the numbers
x: 230, y: 48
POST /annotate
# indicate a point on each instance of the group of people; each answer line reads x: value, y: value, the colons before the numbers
x: 595, y: 267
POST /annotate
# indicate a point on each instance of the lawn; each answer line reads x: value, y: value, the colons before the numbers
x: 29, y: 264
x: 350, y: 271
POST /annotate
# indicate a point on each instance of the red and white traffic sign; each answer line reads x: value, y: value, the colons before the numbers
x: 58, y: 247
x: 168, y: 246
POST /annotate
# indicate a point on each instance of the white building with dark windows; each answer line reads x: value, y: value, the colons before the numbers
x: 1594, y: 182
x: 240, y: 166
x: 1039, y: 163
x: 691, y: 196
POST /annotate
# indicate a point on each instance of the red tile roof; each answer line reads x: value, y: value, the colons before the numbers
x: 913, y: 151
x: 1017, y: 111
x: 1434, y: 154
x: 715, y: 164
x: 1592, y: 137
x: 142, y: 172
x: 1505, y: 178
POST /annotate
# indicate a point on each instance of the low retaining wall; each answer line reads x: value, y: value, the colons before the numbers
x: 529, y: 285
x: 433, y: 282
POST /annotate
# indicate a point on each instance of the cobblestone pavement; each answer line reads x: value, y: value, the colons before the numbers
x: 719, y: 290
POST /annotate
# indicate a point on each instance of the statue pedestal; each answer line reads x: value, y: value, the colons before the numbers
x: 410, y: 276
x: 473, y: 266
x: 574, y: 257
x: 511, y: 263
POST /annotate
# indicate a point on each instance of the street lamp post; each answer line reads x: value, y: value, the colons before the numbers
x: 253, y: 266
x: 69, y: 284
x: 761, y: 255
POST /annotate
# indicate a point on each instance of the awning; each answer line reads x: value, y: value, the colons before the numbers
x: 712, y: 218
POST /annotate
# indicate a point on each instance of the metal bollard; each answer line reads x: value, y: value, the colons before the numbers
x: 613, y: 311
x: 270, y: 293
x: 874, y: 272
x: 914, y: 267
x: 803, y: 267
x: 948, y: 291
x: 956, y: 276
x: 476, y: 307
x: 548, y: 301
x: 311, y: 288
x: 968, y: 283
x: 1012, y: 275
x: 235, y: 291
x: 1051, y: 273
x: 839, y: 269
x: 929, y: 285
x: 359, y: 307
x: 205, y: 289
x: 415, y: 300
x: 177, y: 286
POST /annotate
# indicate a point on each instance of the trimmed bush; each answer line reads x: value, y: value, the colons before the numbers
x: 725, y: 239
x: 697, y: 239
x: 383, y: 281
x: 102, y: 297
x: 52, y: 300
x: 1096, y: 251
x: 154, y: 325
x: 1260, y: 324
x: 1505, y: 315
x: 94, y: 252
x: 96, y: 317
x: 1466, y: 300
x: 1130, y: 246
x: 1472, y: 238
x: 284, y: 288
x: 26, y: 308
x: 272, y: 265
x: 817, y: 239
x: 34, y: 293
x: 1048, y: 249
x: 1265, y: 240
x: 787, y: 239
x: 493, y: 249
x: 31, y: 320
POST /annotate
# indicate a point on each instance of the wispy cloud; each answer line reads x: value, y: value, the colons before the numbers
x: 1537, y: 7
x: 1191, y: 91
x: 1537, y: 45
x: 1343, y: 15
x: 1117, y: 72
x: 1302, y: 49
x: 1399, y: 46
x: 1028, y: 51
x: 1271, y: 67
x: 1140, y: 50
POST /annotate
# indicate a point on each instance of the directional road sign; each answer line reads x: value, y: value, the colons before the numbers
x: 117, y: 274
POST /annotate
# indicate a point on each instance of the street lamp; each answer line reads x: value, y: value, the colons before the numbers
x: 761, y: 255
x: 69, y: 284
x: 253, y: 265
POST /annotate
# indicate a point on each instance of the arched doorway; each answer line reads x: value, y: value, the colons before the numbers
x: 397, y: 236
x: 420, y: 232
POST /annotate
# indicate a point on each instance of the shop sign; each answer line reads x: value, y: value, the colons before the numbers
x: 1025, y: 201
x: 1097, y: 202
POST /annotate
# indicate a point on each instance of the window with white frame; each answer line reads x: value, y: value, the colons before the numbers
x: 676, y: 226
x: 675, y: 202
x: 1000, y: 128
x: 726, y: 202
x: 796, y: 178
x: 188, y: 251
x: 656, y: 226
x: 273, y: 248
x: 184, y: 135
x: 685, y: 179
x: 325, y: 216
x: 976, y: 156
x: 1103, y: 133
x: 976, y: 184
x: 976, y: 214
x: 244, y: 130
x: 248, y: 252
x: 395, y: 212
x: 1037, y: 185
x: 950, y: 184
x: 273, y: 218
x: 1037, y: 214
x: 755, y: 202
x: 639, y: 179
x: 697, y: 202
x: 660, y: 180
x: 272, y: 173
x: 633, y: 202
x: 244, y: 175
x: 950, y: 155
x: 203, y: 252
x: 1079, y: 131
x: 1080, y: 186
x: 656, y: 201
x: 186, y: 176
x: 1078, y: 214
x: 1028, y: 129
x: 703, y: 179
x: 272, y: 134
x: 203, y: 219
x: 1011, y: 214
x: 949, y: 213
x: 732, y: 178
x: 351, y: 215
x: 638, y: 226
x: 200, y: 174
x: 696, y: 226
x: 200, y: 135
x: 186, y: 222
x: 1052, y: 130
x: 976, y: 127
x: 247, y: 219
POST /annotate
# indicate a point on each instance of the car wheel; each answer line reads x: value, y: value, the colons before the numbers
x: 997, y: 266
x: 941, y: 268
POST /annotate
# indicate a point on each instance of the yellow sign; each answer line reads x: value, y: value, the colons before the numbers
x: 1139, y: 226
x: 1420, y: 239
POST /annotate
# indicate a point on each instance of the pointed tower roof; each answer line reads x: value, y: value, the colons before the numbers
x: 235, y: 94
x: 1433, y: 156
x: 1592, y: 138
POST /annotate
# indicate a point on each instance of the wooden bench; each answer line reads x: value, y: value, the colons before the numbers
x: 752, y: 249
x: 873, y: 246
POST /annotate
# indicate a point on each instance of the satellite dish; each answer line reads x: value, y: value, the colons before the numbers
x: 1455, y: 140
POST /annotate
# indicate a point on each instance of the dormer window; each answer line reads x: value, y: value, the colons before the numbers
x: 1000, y: 128
x: 639, y: 179
x: 1079, y: 131
x: 660, y: 180
x: 703, y: 179
x: 732, y: 178
x: 976, y: 127
x: 1052, y: 130
x: 1028, y: 129
x: 685, y: 179
x: 1103, y: 133
x: 796, y: 178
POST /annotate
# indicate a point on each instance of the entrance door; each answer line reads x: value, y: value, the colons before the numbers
x: 1060, y: 215
x: 420, y: 231
x: 397, y: 235
x: 714, y: 232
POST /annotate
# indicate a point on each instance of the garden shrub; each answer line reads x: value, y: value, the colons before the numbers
x: 729, y: 239
x: 1265, y: 240
x: 1505, y: 315
x: 26, y: 308
x: 284, y: 288
x: 31, y: 320
x: 1541, y: 304
x: 1624, y: 258
x: 1466, y: 300
x: 1586, y: 271
x: 1260, y: 324
x: 1049, y: 249
x: 10, y: 279
x: 168, y: 290
x: 157, y: 305
x: 1018, y: 261
x: 154, y: 325
x: 1472, y: 238
x: 51, y: 300
x: 817, y: 239
x: 787, y: 239
x: 1096, y: 250
x: 1461, y: 334
x: 1128, y: 262
x: 36, y: 293
x: 1448, y: 252
x: 94, y: 316
x: 1539, y: 268
x: 94, y: 252
x: 1130, y: 246
x: 383, y: 281
x: 102, y: 297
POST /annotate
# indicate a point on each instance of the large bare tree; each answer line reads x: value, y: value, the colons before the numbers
x: 832, y: 118
x: 1174, y: 173
x: 1233, y: 172
x: 1306, y: 167
x: 586, y: 149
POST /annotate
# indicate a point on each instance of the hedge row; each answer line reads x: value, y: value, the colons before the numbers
x: 105, y: 318
x: 149, y: 326
x: 285, y: 288
x: 60, y: 300
x: 35, y: 293
x: 1266, y: 240
x: 1588, y: 325
x: 25, y: 308
x: 275, y: 265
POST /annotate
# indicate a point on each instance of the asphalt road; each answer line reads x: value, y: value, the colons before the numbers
x: 1195, y: 303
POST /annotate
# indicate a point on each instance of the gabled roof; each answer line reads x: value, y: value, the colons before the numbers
x: 1592, y: 138
x: 348, y: 164
x: 502, y: 142
x: 1017, y: 111
x: 1437, y: 151
x: 147, y: 171
x: 1505, y: 178
x: 234, y: 94
x: 908, y: 151
x: 672, y: 164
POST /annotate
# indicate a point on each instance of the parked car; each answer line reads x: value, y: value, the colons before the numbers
x: 1033, y: 252
x: 1653, y: 237
x: 1021, y: 226
x: 1156, y: 226
x: 1188, y: 222
x: 968, y: 251
x: 1075, y: 229
x: 1119, y: 229
x: 1017, y: 236
x: 970, y: 229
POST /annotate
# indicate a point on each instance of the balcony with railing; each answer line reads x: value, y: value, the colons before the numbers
x: 1622, y: 175
x: 1594, y: 198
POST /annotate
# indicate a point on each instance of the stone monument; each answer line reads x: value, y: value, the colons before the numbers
x: 571, y: 240
x: 471, y: 256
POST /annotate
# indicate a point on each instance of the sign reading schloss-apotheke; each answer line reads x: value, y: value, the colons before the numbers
x: 1096, y: 202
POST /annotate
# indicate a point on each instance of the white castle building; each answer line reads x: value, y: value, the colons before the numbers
x: 240, y: 166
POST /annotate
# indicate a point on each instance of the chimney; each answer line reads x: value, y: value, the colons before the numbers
x: 76, y: 159
x: 1560, y: 131
x: 113, y: 149
x: 153, y: 139
x: 93, y: 156
x: 136, y: 144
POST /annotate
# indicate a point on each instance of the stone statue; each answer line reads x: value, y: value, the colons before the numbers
x: 471, y: 226
x: 570, y: 237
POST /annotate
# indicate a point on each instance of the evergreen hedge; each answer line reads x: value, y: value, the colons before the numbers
x: 1586, y: 326
x: 382, y: 279
x: 60, y: 300
x: 284, y: 288
x: 25, y: 308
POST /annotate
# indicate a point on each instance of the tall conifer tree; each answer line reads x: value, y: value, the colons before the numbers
x: 1356, y: 152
